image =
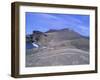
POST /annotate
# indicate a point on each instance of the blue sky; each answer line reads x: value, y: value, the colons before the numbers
x: 46, y: 21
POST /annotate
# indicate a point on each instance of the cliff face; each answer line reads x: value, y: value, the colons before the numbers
x: 57, y: 47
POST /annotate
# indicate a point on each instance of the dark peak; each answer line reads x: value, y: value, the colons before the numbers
x: 38, y: 33
x: 51, y: 30
x: 86, y: 37
x: 66, y: 29
x: 28, y: 35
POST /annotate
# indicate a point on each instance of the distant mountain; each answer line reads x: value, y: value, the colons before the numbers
x: 52, y: 30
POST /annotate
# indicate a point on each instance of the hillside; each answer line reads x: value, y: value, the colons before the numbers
x: 58, y: 47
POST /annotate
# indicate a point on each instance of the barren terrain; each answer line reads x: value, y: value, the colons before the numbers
x: 62, y: 47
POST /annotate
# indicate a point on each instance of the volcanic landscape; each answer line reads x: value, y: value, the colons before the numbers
x: 57, y: 48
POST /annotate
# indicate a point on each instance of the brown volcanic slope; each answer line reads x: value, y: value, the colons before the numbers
x: 59, y: 47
